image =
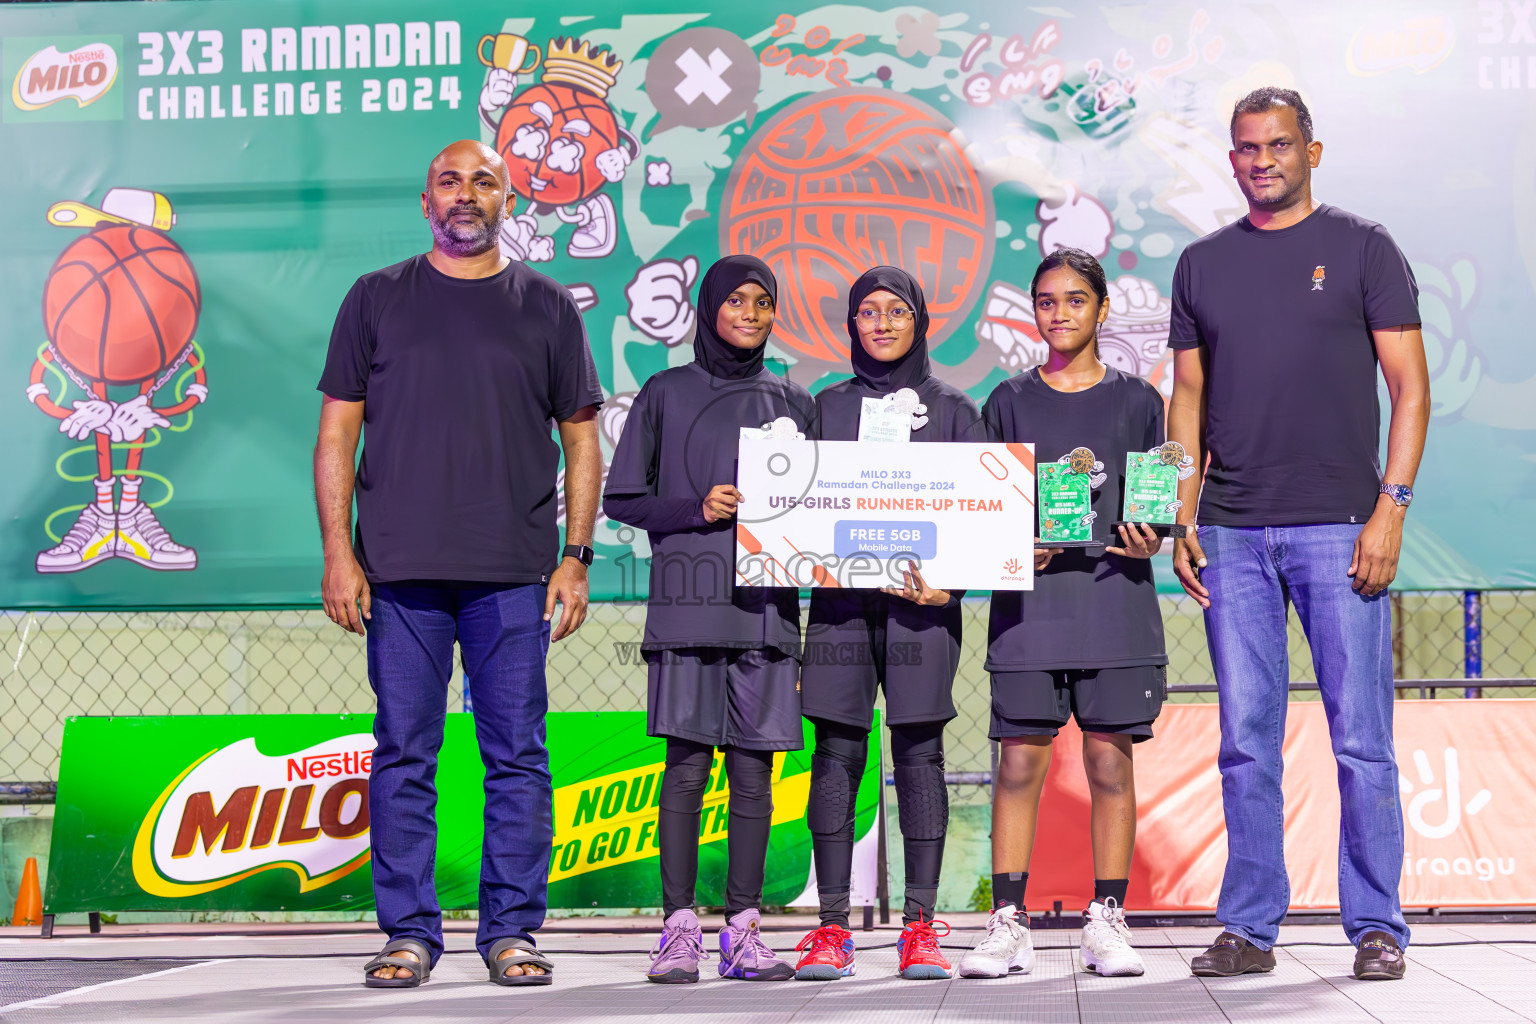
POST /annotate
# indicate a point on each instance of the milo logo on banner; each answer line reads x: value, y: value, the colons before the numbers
x: 236, y: 812
x: 63, y: 79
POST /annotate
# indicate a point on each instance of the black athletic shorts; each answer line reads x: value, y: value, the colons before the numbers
x: 1125, y: 701
x: 859, y: 642
x: 725, y: 697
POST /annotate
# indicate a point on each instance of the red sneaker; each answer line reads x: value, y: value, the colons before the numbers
x: 918, y: 948
x: 828, y: 954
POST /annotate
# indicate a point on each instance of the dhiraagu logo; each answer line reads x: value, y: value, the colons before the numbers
x: 235, y: 812
x: 63, y: 78
x: 1437, y: 808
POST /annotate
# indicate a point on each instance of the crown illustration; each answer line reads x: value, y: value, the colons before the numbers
x: 578, y: 64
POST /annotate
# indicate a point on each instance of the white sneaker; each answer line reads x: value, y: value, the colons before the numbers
x: 1007, y: 949
x: 597, y: 234
x: 141, y: 538
x: 92, y: 539
x: 1106, y: 945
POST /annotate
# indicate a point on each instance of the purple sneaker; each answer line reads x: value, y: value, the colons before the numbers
x: 744, y: 955
x: 675, y: 960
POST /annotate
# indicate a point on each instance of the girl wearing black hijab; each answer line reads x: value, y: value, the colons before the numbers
x: 722, y: 662
x: 904, y: 639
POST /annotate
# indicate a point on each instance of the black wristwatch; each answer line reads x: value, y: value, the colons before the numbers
x: 580, y: 552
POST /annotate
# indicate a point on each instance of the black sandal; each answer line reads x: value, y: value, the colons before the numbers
x: 528, y: 955
x: 421, y: 968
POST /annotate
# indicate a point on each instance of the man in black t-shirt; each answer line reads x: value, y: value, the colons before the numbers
x: 461, y: 363
x: 1279, y: 322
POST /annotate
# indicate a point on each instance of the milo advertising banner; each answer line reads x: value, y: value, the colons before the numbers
x: 191, y: 189
x: 271, y: 812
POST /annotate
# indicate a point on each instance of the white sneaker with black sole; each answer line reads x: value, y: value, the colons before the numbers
x: 1106, y: 944
x: 1007, y: 948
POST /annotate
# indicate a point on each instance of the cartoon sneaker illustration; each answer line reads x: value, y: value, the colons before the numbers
x: 597, y: 234
x: 141, y: 539
x: 89, y: 541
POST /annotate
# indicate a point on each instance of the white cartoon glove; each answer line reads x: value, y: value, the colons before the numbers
x: 89, y: 416
x: 521, y: 241
x: 529, y: 143
x: 36, y: 391
x: 497, y: 91
x: 614, y: 414
x: 565, y: 155
x: 132, y: 418
x: 782, y: 429
x: 611, y: 163
x: 906, y: 400
x: 198, y: 391
x: 658, y: 299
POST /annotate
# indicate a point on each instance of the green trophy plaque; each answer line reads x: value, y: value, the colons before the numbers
x: 1066, y: 499
x: 1152, y: 487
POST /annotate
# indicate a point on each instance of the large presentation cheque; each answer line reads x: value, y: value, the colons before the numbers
x: 853, y: 513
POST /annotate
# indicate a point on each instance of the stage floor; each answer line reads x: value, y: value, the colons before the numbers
x: 291, y: 974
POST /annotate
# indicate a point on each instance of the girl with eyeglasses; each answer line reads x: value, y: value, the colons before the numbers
x: 903, y: 638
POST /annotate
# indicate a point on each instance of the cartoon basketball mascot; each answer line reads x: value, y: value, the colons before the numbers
x: 561, y: 141
x: 120, y: 309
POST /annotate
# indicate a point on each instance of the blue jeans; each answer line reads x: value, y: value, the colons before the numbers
x: 1252, y: 572
x: 504, y: 638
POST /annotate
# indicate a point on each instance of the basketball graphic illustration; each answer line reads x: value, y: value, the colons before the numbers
x: 842, y: 181
x: 121, y: 303
x: 550, y: 107
x: 562, y: 143
x: 120, y: 311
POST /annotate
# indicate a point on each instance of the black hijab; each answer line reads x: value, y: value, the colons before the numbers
x: 718, y: 356
x: 911, y: 369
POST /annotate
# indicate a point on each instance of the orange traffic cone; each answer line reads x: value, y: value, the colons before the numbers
x: 29, y: 899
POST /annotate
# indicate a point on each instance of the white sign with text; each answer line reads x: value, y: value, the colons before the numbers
x: 853, y: 514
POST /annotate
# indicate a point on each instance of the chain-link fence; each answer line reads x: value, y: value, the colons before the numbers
x: 58, y: 664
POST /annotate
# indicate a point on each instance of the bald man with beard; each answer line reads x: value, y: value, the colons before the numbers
x: 459, y: 361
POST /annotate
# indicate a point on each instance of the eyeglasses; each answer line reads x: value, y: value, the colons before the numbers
x: 897, y: 317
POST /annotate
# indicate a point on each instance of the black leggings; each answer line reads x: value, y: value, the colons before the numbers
x: 750, y: 773
x: 922, y: 803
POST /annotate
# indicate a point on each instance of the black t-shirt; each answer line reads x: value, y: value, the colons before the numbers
x: 1293, y: 424
x: 1089, y: 609
x: 680, y: 440
x: 840, y: 616
x: 461, y: 380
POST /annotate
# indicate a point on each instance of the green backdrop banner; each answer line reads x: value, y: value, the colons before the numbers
x: 192, y: 187
x: 270, y: 812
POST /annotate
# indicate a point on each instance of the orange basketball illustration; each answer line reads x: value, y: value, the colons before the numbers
x: 846, y: 180
x: 121, y: 303
x: 550, y: 107
x: 120, y: 364
x: 563, y: 144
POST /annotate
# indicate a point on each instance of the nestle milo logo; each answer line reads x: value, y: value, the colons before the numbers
x: 63, y: 79
x: 236, y: 812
